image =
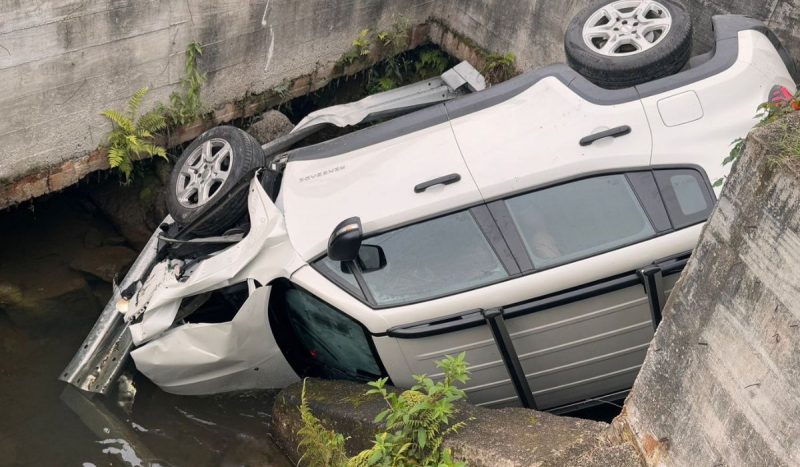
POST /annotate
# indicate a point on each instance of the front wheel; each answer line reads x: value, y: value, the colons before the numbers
x: 622, y: 43
x: 209, y: 168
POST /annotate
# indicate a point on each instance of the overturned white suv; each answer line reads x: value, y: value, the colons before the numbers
x: 537, y: 225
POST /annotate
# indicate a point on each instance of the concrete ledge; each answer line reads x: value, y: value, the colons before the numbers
x: 494, y: 438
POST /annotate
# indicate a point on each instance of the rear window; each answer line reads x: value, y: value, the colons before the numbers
x: 686, y: 196
x: 579, y: 219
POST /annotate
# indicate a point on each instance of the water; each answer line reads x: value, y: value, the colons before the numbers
x: 46, y: 309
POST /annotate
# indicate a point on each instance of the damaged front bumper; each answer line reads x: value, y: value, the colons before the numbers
x: 194, y: 358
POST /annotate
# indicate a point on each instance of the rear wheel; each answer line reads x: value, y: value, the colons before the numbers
x: 214, y: 164
x: 622, y: 43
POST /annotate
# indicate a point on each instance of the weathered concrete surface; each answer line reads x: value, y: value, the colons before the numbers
x: 534, y: 29
x: 721, y: 383
x: 62, y: 62
x: 495, y: 438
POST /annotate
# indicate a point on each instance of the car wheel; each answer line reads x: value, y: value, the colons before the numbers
x: 213, y: 165
x: 622, y: 43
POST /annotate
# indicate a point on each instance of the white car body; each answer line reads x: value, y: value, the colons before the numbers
x: 580, y: 328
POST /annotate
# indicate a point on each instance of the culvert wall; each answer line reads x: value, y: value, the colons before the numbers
x: 63, y: 62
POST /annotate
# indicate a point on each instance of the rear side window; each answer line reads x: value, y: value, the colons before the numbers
x: 433, y: 258
x: 579, y: 219
x: 686, y: 196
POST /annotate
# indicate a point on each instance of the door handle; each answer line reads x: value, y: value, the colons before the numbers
x: 613, y: 133
x: 446, y: 180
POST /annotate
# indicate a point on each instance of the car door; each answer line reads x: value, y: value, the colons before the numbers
x: 389, y: 174
x: 546, y: 132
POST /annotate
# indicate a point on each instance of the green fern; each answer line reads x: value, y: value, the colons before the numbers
x: 131, y: 137
x: 186, y: 105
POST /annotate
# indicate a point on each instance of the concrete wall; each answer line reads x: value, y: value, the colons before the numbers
x: 64, y: 61
x: 721, y: 383
x: 534, y: 29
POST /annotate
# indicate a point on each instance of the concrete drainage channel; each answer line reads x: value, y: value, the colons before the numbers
x: 71, y: 244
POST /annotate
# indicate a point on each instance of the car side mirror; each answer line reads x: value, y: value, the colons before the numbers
x: 371, y: 258
x: 345, y: 241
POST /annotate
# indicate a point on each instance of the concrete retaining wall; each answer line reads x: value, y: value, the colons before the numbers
x: 64, y: 61
x: 721, y: 383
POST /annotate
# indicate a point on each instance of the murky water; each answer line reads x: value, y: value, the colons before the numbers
x: 48, y: 302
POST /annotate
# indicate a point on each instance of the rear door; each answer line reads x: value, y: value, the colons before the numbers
x: 546, y: 133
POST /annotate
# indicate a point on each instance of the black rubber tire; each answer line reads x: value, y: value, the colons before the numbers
x: 248, y: 156
x: 666, y: 58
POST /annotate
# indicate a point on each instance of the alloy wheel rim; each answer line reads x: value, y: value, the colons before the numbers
x: 627, y: 27
x: 204, y: 173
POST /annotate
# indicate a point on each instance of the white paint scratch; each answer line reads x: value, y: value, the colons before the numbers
x: 271, y: 50
x: 271, y: 40
x: 266, y: 13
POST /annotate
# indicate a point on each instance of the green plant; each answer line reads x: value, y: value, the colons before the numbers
x: 395, y: 39
x: 322, y: 447
x: 767, y: 112
x: 186, y: 106
x: 132, y: 137
x: 432, y: 62
x: 733, y: 155
x: 359, y: 48
x: 414, y: 425
x: 499, y: 67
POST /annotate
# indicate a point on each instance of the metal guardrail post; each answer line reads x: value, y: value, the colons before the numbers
x: 497, y: 324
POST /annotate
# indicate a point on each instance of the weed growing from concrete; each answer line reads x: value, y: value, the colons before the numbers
x: 769, y: 112
x: 186, y: 106
x: 359, y: 48
x: 131, y: 137
x: 414, y: 425
x: 500, y: 67
x: 322, y: 447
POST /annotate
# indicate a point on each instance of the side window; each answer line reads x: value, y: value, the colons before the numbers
x: 329, y: 342
x: 579, y: 219
x: 686, y: 196
x: 433, y: 258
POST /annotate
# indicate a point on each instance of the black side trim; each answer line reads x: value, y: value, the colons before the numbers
x: 506, y: 347
x: 509, y: 230
x: 493, y: 234
x: 653, y: 281
x: 445, y: 180
x: 646, y: 190
x: 457, y: 322
x: 612, y: 133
